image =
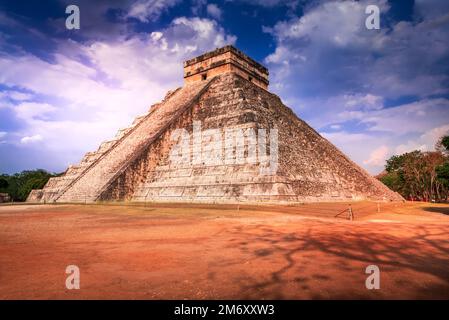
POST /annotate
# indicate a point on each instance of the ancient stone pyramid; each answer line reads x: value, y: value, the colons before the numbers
x: 224, y: 90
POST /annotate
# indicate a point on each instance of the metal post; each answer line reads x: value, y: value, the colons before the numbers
x: 351, y: 215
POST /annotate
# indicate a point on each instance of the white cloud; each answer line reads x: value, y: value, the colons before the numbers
x: 214, y: 11
x: 156, y: 35
x: 431, y: 8
x: 32, y: 110
x: 371, y: 114
x: 91, y: 90
x: 148, y: 10
x: 329, y: 51
x: 372, y: 149
x: 197, y: 6
x: 425, y: 142
x: 335, y: 126
x: 15, y: 95
x: 343, y: 79
x: 377, y: 156
x: 31, y: 139
x: 206, y: 30
x: 420, y: 116
x: 357, y: 146
x: 363, y: 101
x: 273, y: 3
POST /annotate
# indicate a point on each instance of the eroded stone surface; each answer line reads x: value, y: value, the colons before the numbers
x: 135, y: 165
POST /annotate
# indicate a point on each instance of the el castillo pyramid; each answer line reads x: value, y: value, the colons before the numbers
x: 224, y: 91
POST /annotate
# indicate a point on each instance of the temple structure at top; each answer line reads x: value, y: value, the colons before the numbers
x: 224, y: 90
x: 225, y: 60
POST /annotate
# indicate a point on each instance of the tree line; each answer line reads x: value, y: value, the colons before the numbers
x: 19, y: 185
x: 418, y: 175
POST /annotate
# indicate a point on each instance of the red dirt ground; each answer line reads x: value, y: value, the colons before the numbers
x: 220, y: 252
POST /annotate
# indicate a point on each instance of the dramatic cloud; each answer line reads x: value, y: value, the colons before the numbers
x: 373, y: 93
x: 431, y: 8
x: 331, y: 48
x: 350, y: 82
x: 90, y: 90
x: 378, y: 156
x: 32, y: 110
x: 425, y: 142
x: 273, y: 3
x: 147, y: 10
x: 214, y: 11
x: 31, y: 139
x: 14, y: 95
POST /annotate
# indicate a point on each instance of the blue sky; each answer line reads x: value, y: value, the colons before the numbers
x: 373, y: 93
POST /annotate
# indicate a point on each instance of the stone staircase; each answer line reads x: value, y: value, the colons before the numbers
x: 85, y: 182
x: 136, y: 165
x: 57, y: 185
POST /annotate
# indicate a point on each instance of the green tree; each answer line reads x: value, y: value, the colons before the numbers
x: 3, y: 183
x: 443, y: 170
x: 403, y: 173
x: 445, y: 142
x: 443, y: 145
x: 420, y: 175
x: 19, y: 185
x: 393, y: 180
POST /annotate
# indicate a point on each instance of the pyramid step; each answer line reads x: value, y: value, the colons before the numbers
x: 93, y: 181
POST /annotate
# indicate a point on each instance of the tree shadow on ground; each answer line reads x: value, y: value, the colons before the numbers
x: 443, y: 210
x: 423, y: 249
